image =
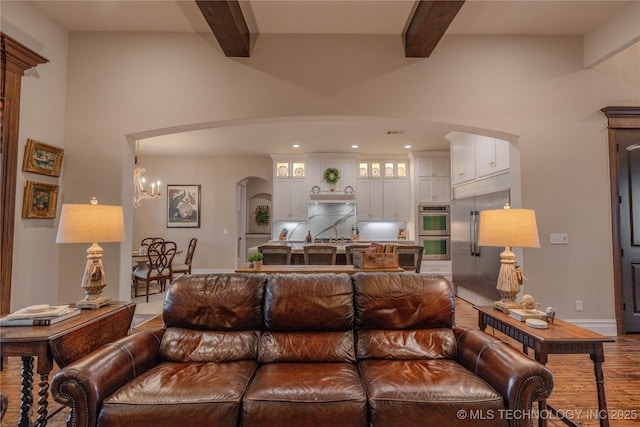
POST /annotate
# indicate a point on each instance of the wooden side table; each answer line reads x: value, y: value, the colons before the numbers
x: 559, y: 338
x: 63, y: 342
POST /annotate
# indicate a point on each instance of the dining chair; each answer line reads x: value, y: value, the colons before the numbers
x: 185, y: 267
x: 159, y: 261
x: 147, y: 241
x: 320, y: 254
x: 349, y: 250
x: 410, y: 257
x: 275, y: 254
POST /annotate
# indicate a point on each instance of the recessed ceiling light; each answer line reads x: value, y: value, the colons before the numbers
x: 354, y: 146
x: 407, y: 146
x: 296, y: 145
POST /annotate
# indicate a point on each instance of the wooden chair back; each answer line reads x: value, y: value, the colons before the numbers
x: 275, y: 254
x: 350, y: 249
x: 410, y: 257
x: 320, y: 254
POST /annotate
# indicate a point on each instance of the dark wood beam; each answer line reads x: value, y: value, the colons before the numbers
x: 427, y: 26
x: 227, y: 22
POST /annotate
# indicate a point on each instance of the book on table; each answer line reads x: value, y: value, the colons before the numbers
x: 40, y: 317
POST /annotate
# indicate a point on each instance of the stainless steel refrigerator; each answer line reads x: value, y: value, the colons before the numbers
x: 475, y: 268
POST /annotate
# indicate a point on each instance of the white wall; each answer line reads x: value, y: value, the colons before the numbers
x: 217, y: 178
x: 35, y: 259
x: 532, y: 87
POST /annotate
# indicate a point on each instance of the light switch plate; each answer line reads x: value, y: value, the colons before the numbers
x: 559, y: 239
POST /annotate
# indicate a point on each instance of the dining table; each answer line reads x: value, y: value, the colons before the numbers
x: 309, y: 269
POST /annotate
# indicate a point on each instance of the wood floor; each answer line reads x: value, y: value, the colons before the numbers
x: 574, y: 392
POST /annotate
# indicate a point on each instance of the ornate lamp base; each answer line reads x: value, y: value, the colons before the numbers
x: 94, y: 280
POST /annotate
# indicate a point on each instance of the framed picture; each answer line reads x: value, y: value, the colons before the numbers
x: 42, y: 158
x: 183, y: 206
x: 40, y: 200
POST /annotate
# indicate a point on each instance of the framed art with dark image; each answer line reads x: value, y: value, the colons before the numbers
x: 40, y: 200
x: 42, y: 158
x: 183, y: 206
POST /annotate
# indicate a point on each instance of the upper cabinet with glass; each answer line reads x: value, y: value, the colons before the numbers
x: 290, y: 169
x: 368, y: 168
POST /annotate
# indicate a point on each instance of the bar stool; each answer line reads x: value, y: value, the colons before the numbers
x: 275, y: 254
x: 320, y: 255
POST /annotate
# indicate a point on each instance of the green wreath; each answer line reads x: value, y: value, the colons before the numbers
x: 331, y: 175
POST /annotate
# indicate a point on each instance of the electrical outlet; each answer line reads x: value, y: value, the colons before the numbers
x: 559, y: 239
x: 579, y: 305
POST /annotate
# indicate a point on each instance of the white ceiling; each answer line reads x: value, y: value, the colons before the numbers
x: 502, y: 17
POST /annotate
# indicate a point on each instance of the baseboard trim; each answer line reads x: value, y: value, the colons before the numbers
x: 605, y: 327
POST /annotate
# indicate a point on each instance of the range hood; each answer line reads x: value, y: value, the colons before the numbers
x: 332, y: 196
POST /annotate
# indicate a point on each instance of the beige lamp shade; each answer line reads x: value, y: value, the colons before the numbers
x: 90, y: 224
x: 508, y: 228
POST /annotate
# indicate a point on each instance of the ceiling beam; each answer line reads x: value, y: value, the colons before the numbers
x: 428, y: 24
x: 227, y: 22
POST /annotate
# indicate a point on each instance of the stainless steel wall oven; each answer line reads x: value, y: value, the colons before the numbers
x: 434, y: 231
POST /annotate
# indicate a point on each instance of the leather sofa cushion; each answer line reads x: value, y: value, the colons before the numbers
x: 429, y: 392
x: 188, y: 345
x: 402, y: 301
x: 307, y: 347
x: 413, y: 344
x: 210, y: 392
x: 221, y: 302
x: 299, y: 394
x: 308, y: 318
x: 304, y: 302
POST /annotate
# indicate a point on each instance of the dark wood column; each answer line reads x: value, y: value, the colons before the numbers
x: 16, y: 59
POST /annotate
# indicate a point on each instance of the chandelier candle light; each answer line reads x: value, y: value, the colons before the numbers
x: 509, y: 228
x: 139, y: 191
x: 91, y: 223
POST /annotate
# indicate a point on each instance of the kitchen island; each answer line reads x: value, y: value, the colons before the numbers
x: 297, y: 248
x: 308, y: 269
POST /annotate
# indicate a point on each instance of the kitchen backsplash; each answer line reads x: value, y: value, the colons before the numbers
x: 323, y: 217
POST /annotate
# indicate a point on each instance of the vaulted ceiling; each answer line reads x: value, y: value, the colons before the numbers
x: 237, y: 24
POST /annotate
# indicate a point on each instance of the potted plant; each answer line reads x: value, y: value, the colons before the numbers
x: 331, y: 176
x: 256, y: 259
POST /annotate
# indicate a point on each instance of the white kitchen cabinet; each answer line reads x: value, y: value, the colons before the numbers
x: 369, y: 200
x: 433, y: 166
x: 289, y: 200
x: 492, y: 155
x: 289, y: 188
x: 396, y: 199
x: 433, y: 190
x: 463, y: 158
x: 347, y: 168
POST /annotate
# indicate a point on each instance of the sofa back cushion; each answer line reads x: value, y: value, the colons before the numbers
x: 213, y: 317
x: 403, y: 316
x: 308, y: 318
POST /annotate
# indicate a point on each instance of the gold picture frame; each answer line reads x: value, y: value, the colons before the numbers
x: 42, y: 158
x: 40, y: 200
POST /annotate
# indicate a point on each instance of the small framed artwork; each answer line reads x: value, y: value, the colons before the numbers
x: 42, y: 158
x: 183, y: 206
x: 40, y: 200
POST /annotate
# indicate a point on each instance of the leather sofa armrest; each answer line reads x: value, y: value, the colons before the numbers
x: 85, y: 383
x: 520, y: 379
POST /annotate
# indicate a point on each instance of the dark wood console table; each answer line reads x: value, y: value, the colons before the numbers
x: 559, y: 338
x: 63, y: 342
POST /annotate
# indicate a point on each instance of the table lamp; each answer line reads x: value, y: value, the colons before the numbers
x: 509, y: 228
x: 91, y: 223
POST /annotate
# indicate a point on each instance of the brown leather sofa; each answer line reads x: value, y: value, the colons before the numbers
x: 374, y: 349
